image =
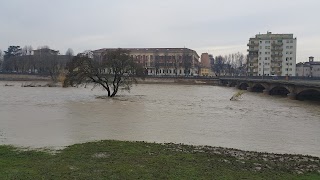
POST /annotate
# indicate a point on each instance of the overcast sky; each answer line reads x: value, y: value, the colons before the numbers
x: 217, y: 27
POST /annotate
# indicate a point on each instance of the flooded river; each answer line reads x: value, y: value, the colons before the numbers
x: 198, y: 115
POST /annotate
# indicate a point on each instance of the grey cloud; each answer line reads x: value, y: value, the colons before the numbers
x: 198, y: 24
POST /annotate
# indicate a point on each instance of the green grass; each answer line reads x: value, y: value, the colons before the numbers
x: 140, y: 160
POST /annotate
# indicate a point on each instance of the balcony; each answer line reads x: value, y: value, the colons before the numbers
x: 276, y: 66
x: 252, y: 55
x: 253, y: 44
x: 277, y: 44
x: 276, y: 61
x: 276, y: 55
x: 253, y: 50
x: 277, y: 49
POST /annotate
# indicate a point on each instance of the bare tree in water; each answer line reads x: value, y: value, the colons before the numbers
x: 115, y: 69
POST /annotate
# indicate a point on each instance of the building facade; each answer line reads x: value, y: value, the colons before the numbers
x: 272, y: 54
x: 45, y: 51
x: 205, y: 65
x: 308, y: 69
x: 162, y: 61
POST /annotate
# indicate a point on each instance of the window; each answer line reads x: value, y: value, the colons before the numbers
x: 287, y: 52
x: 266, y: 58
x: 291, y: 41
x: 267, y: 47
x: 287, y: 47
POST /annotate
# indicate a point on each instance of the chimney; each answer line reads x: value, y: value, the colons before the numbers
x: 311, y: 58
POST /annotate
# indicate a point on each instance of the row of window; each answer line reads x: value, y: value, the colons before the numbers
x: 168, y: 71
x: 151, y: 57
x: 268, y: 42
x: 268, y: 58
x: 267, y: 69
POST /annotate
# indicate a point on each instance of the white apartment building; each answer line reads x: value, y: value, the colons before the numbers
x: 272, y: 54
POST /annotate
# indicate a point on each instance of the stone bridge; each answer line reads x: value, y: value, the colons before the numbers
x: 294, y: 89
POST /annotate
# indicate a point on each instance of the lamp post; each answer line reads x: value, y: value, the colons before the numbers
x: 287, y: 76
x: 262, y: 69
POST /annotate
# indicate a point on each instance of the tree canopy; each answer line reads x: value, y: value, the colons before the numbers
x: 113, y: 70
x: 12, y: 51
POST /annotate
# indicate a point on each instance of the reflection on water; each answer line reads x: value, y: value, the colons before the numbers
x: 199, y: 115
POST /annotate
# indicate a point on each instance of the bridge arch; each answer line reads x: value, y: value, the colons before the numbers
x: 258, y: 87
x: 309, y: 94
x: 233, y: 84
x: 279, y: 90
x: 243, y: 86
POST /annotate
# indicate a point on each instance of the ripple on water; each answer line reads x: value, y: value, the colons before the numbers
x: 199, y: 115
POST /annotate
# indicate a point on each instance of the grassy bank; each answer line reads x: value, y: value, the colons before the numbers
x: 139, y: 160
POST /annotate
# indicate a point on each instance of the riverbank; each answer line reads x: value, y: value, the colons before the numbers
x: 139, y: 160
x: 146, y: 80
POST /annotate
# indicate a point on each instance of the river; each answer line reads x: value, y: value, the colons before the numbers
x: 199, y: 115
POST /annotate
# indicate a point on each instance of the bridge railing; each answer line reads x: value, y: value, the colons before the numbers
x: 290, y: 78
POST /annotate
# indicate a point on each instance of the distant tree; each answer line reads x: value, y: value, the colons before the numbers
x: 115, y: 69
x: 156, y: 61
x: 69, y: 52
x: 10, y: 62
x: 12, y: 51
x: 1, y: 54
x: 219, y: 65
x: 1, y: 59
x: 26, y: 50
x: 187, y: 62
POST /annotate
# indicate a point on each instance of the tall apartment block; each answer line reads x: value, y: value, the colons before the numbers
x: 272, y: 54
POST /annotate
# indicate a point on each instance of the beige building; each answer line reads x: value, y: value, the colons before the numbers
x: 205, y: 60
x: 45, y: 51
x: 205, y: 65
x: 272, y: 54
x: 163, y: 61
x: 308, y: 69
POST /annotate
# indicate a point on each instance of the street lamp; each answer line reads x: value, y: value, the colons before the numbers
x: 262, y: 69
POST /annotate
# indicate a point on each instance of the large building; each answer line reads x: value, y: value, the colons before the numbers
x: 272, y: 54
x: 308, y: 69
x: 162, y: 61
x: 45, y: 51
x: 205, y: 65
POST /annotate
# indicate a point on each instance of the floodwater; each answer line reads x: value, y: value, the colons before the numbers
x: 199, y: 115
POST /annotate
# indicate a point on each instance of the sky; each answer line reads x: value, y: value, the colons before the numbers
x: 218, y: 27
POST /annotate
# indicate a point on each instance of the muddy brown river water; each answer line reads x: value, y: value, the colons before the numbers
x: 198, y: 115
